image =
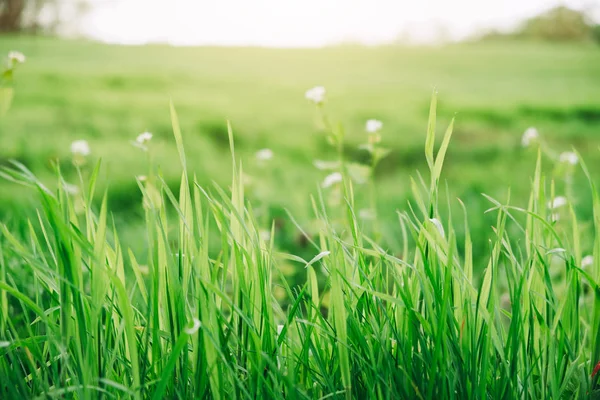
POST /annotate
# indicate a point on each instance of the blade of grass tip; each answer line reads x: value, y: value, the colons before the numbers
x: 468, y: 267
x: 92, y: 182
x: 430, y: 139
x: 178, y: 137
x: 404, y: 235
x: 417, y: 197
x: 439, y: 161
x: 231, y: 142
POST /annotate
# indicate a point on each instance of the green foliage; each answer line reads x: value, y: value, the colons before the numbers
x: 83, y: 318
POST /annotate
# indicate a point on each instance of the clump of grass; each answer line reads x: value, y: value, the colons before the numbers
x: 82, y: 317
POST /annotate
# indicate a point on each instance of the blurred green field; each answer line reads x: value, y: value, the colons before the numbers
x: 105, y: 94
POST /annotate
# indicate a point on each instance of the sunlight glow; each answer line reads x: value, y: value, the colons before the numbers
x: 303, y: 23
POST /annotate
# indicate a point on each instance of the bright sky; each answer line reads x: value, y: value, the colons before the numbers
x: 300, y: 23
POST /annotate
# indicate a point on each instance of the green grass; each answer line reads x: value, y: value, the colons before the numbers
x: 105, y: 94
x: 81, y: 318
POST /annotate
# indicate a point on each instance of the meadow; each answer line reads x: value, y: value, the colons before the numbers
x: 107, y: 95
x: 191, y: 268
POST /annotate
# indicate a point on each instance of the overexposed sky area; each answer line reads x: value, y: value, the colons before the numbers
x: 305, y: 23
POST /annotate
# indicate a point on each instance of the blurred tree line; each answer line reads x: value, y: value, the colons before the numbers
x: 36, y: 16
x: 559, y: 24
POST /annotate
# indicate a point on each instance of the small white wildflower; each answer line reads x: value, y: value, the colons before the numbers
x: 71, y: 189
x: 554, y: 217
x: 264, y: 154
x: 438, y: 225
x: 530, y: 135
x: 265, y: 235
x: 16, y: 57
x: 80, y: 148
x: 322, y: 165
x: 144, y: 137
x: 366, y: 213
x: 331, y: 179
x: 569, y: 157
x: 587, y: 261
x: 194, y: 328
x: 373, y: 126
x: 316, y: 94
x: 557, y: 202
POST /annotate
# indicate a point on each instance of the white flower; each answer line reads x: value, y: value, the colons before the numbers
x: 316, y: 94
x: 373, y: 126
x: 144, y: 137
x: 436, y: 222
x: 557, y: 202
x: 569, y: 157
x: 331, y: 179
x: 587, y: 261
x: 194, y: 328
x: 554, y: 217
x: 16, y: 57
x: 80, y: 148
x: 530, y: 135
x: 264, y: 154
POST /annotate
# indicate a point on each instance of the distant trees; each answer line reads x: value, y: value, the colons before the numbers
x: 559, y: 24
x: 11, y: 13
x: 38, y: 15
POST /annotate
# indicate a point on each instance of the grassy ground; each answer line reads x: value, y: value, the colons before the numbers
x: 108, y: 94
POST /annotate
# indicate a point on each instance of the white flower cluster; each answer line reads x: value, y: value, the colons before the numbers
x: 373, y: 126
x: 316, y: 94
x: 15, y: 57
x: 80, y: 148
x: 530, y: 136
